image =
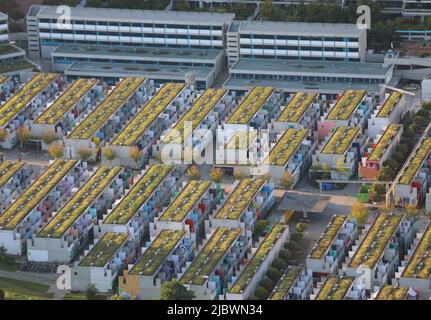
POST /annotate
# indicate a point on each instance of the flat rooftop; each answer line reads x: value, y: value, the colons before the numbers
x: 300, y: 28
x: 132, y: 15
x: 335, y: 288
x: 136, y: 53
x: 294, y: 67
x: 122, y: 70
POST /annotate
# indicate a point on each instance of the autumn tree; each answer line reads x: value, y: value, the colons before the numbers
x: 84, y: 153
x: 110, y: 154
x: 56, y: 150
x: 193, y: 173
x: 287, y: 180
x: 24, y: 135
x: 216, y: 174
x: 136, y: 155
x: 359, y: 212
x: 48, y: 137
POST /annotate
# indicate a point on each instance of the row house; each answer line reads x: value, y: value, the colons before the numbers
x: 296, y: 283
x: 339, y: 288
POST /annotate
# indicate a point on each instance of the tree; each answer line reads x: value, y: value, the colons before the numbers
x: 3, y: 135
x: 110, y: 154
x: 84, y: 153
x: 91, y: 291
x: 136, y: 155
x: 48, y: 137
x: 56, y: 150
x: 193, y: 173
x: 268, y: 284
x: 260, y: 226
x: 359, y: 212
x: 273, y: 274
x: 216, y: 174
x: 2, y: 254
x: 239, y: 175
x: 286, y: 255
x: 24, y: 135
x: 287, y: 180
x: 175, y: 290
x: 411, y: 210
x: 279, y: 264
x: 261, y: 293
x: 301, y: 227
x: 340, y: 167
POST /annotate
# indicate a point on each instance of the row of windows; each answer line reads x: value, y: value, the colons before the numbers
x: 70, y: 60
x: 332, y: 49
x: 302, y: 38
x: 136, y: 25
x: 306, y: 78
x: 285, y: 57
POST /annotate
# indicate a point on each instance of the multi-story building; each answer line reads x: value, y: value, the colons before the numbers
x: 249, y: 201
x: 328, y: 253
x: 37, y: 204
x: 340, y: 152
x: 4, y: 28
x: 339, y: 288
x: 380, y: 246
x: 390, y: 110
x: 219, y: 258
x: 60, y: 239
x: 163, y: 259
x: 245, y: 281
x: 102, y: 263
x: 413, y: 181
x: 122, y: 27
x: 379, y: 150
x: 141, y: 203
x: 389, y: 292
x: 295, y: 284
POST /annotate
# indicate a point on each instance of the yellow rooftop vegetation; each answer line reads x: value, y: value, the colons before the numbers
x: 286, y: 146
x: 328, y: 236
x: 416, y: 162
x: 389, y: 105
x: 241, y: 140
x: 388, y: 292
x: 8, y: 169
x: 384, y: 142
x: 335, y: 288
x: 340, y: 140
x: 296, y: 107
x: 344, y: 107
x: 419, y: 265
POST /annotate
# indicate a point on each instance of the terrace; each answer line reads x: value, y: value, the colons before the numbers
x: 23, y: 97
x: 256, y: 260
x: 142, y: 121
x: 210, y: 256
x: 185, y: 201
x: 376, y: 240
x: 286, y: 146
x: 240, y: 198
x: 388, y: 292
x: 113, y: 102
x: 104, y: 250
x: 138, y: 195
x: 389, y: 105
x: 250, y: 105
x: 286, y: 282
x: 345, y: 106
x: 335, y: 288
x: 157, y: 252
x: 419, y: 265
x: 199, y: 110
x: 384, y: 142
x: 66, y: 101
x: 328, y: 236
x: 408, y: 174
x: 79, y: 203
x: 8, y: 169
x: 296, y: 107
x: 40, y: 188
x: 340, y: 140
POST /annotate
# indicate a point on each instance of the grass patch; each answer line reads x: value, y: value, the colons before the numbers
x: 24, y: 290
x: 9, y: 265
x: 82, y: 296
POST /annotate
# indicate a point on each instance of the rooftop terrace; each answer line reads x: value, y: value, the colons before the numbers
x: 416, y: 162
x: 286, y: 146
x: 286, y: 283
x: 389, y: 105
x: 297, y: 107
x: 8, y: 169
x: 384, y: 142
x: 340, y: 140
x: 328, y: 236
x: 388, y: 292
x: 346, y: 105
x: 419, y: 265
x: 335, y: 288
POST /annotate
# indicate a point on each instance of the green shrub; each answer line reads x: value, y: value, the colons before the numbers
x: 273, y: 274
x: 261, y: 293
x: 296, y: 236
x: 279, y: 264
x: 268, y: 284
x: 286, y: 255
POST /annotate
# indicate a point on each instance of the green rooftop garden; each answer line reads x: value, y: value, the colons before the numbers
x: 389, y: 105
x: 377, y: 239
x: 241, y: 140
x: 16, y: 65
x: 113, y: 102
x: 185, y: 201
x: 210, y: 256
x: 154, y: 256
x: 286, y: 282
x: 66, y: 101
x: 22, y: 98
x: 138, y: 195
x: 3, y: 79
x: 197, y: 113
x: 335, y: 288
x: 416, y: 163
x: 256, y: 260
x: 104, y: 250
x: 297, y: 107
x: 8, y: 169
x: 34, y: 194
x: 286, y: 146
x: 340, y: 140
x: 7, y: 49
x: 328, y: 236
x: 240, y: 198
x: 145, y: 117
x: 388, y: 292
x: 250, y: 105
x: 80, y: 202
x: 384, y: 142
x: 345, y: 106
x: 419, y: 265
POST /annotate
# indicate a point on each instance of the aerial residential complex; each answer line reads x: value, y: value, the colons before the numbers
x: 191, y: 155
